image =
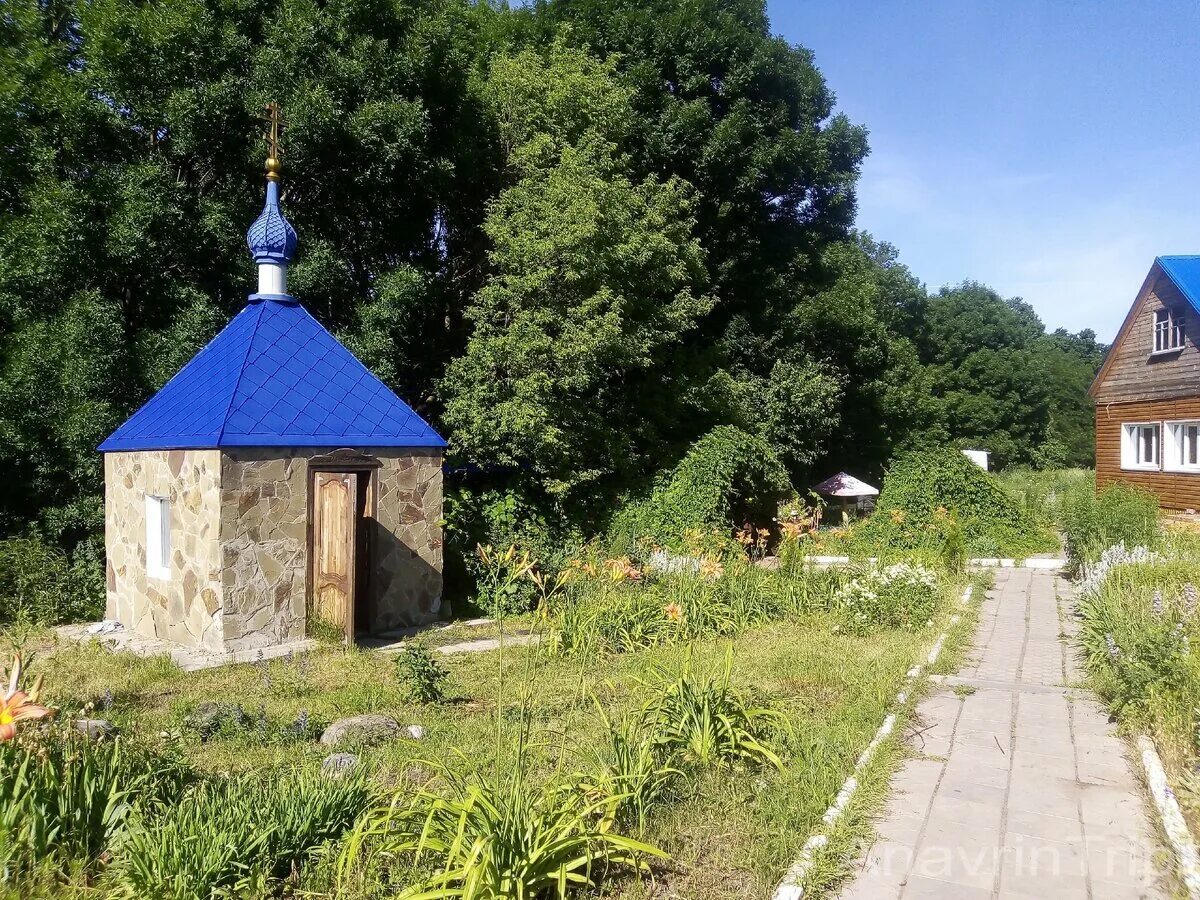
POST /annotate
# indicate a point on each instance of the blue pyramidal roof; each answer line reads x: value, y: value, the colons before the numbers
x: 1185, y: 272
x: 273, y: 377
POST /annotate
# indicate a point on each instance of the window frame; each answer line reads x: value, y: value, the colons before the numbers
x: 1172, y: 329
x: 158, y: 537
x: 1131, y: 443
x: 1175, y: 445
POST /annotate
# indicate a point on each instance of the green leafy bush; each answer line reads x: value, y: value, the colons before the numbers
x: 227, y: 836
x: 39, y: 584
x: 897, y: 596
x: 728, y: 478
x: 929, y: 494
x: 488, y: 840
x: 1118, y: 514
x: 421, y: 676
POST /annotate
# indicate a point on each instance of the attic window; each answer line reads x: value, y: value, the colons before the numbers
x: 158, y: 537
x: 1168, y: 330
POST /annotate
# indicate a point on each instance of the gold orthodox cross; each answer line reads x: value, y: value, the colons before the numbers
x: 274, y: 121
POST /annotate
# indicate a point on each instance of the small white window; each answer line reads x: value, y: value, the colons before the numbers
x: 1182, y: 452
x: 1140, y: 445
x: 158, y: 537
x: 1168, y: 330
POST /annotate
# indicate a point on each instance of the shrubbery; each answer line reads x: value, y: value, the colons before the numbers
x: 1118, y: 514
x: 145, y: 823
x: 40, y: 585
x: 608, y: 614
x: 898, y: 596
x: 727, y: 479
x: 226, y: 835
x: 932, y: 499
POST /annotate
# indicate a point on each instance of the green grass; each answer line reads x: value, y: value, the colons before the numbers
x: 728, y: 833
x: 1140, y: 636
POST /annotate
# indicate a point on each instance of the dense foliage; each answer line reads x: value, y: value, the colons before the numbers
x: 727, y: 476
x: 1138, y: 626
x: 934, y: 499
x: 577, y: 235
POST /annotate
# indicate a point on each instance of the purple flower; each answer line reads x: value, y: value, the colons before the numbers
x: 1189, y: 598
x: 1157, y: 602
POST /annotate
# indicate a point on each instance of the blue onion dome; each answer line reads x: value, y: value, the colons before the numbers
x: 271, y: 238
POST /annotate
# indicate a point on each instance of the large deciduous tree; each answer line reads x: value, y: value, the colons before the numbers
x: 573, y: 366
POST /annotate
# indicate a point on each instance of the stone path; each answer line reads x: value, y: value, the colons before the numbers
x: 1020, y: 787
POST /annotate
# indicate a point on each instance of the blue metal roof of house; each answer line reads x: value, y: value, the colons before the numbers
x: 273, y: 377
x: 1185, y: 272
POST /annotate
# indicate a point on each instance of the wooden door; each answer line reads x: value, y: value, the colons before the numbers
x: 334, y: 537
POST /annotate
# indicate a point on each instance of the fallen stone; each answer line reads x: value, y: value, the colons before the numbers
x: 95, y: 728
x: 365, y: 729
x: 770, y: 563
x: 338, y: 765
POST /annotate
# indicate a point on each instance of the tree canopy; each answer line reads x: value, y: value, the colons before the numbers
x: 577, y: 235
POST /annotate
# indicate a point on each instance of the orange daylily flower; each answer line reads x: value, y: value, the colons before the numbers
x: 622, y: 569
x: 19, y: 706
x: 673, y: 611
x: 711, y: 567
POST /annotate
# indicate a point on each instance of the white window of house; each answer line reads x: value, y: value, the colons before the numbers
x: 1182, y: 450
x: 1168, y: 330
x: 1140, y: 445
x: 158, y: 537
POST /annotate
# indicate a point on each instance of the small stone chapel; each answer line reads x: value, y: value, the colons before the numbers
x: 272, y: 482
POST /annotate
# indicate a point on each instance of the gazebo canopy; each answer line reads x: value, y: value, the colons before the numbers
x: 843, y: 485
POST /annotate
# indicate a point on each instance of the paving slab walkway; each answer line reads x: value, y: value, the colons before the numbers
x: 1020, y: 787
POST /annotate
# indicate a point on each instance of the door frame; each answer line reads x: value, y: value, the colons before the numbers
x: 344, y: 461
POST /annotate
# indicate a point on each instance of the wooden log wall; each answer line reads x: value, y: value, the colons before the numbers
x: 1175, y: 490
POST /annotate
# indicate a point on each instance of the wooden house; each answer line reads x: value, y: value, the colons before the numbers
x: 1147, y: 392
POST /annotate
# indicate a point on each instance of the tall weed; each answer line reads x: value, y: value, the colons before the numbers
x: 1117, y: 514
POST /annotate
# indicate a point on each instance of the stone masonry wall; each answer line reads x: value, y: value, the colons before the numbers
x: 186, y: 607
x: 264, y: 533
x: 406, y: 565
x: 263, y: 546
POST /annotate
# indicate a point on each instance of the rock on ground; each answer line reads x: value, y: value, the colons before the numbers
x: 365, y: 729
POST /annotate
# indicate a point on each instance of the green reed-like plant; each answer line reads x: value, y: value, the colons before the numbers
x: 66, y: 800
x: 488, y: 840
x: 227, y: 837
x: 631, y: 771
x: 707, y: 722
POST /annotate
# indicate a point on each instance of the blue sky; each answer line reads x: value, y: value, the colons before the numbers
x: 1049, y: 149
